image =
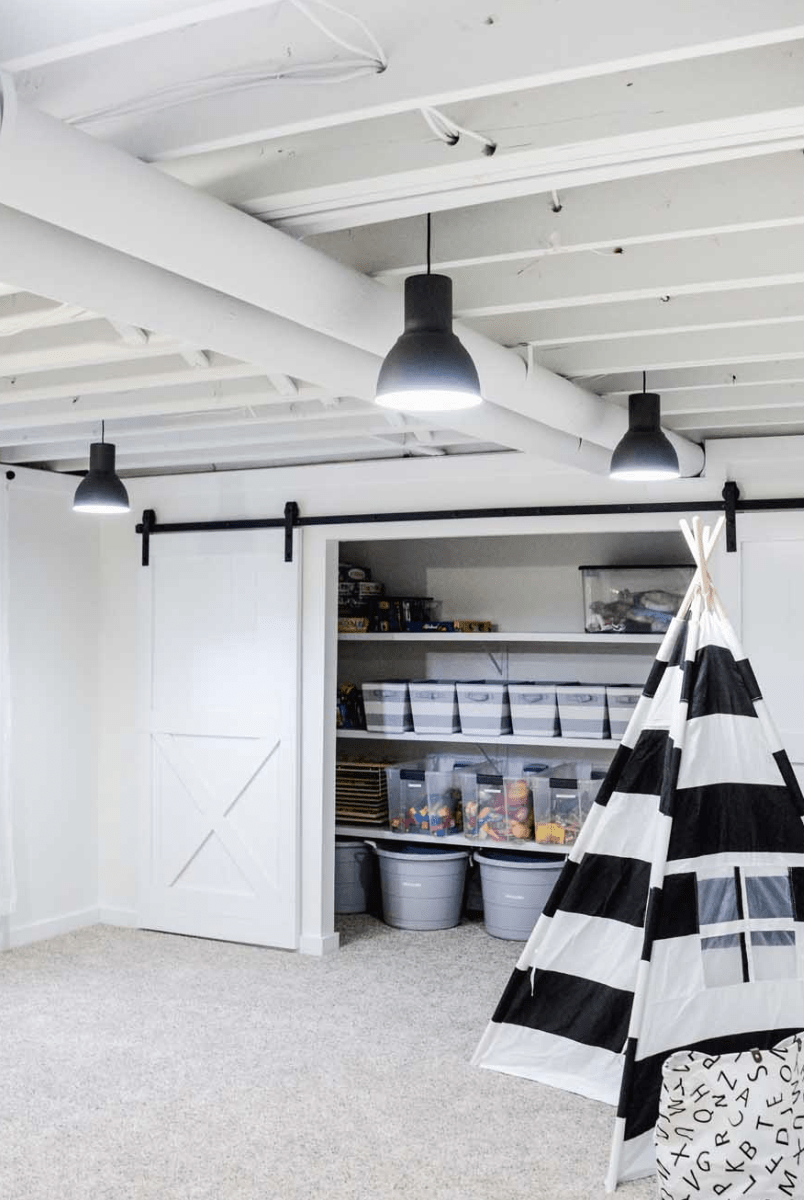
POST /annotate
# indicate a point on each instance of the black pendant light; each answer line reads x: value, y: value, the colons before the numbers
x: 100, y: 491
x: 427, y: 369
x: 644, y: 452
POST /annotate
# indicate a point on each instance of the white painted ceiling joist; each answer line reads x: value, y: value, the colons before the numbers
x: 39, y: 32
x: 674, y: 205
x: 457, y: 50
x: 301, y: 284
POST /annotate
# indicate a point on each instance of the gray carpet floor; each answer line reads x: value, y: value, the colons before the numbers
x: 141, y: 1066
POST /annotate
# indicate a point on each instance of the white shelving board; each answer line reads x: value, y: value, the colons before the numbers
x: 454, y: 839
x: 641, y: 640
x: 471, y: 739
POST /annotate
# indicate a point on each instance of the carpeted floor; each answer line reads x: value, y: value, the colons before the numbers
x: 141, y: 1066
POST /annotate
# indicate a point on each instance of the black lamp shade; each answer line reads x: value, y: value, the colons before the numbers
x: 644, y: 452
x: 101, y: 491
x: 427, y: 369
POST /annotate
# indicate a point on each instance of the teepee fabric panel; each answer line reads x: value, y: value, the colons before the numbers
x: 732, y: 1125
x: 690, y: 870
x: 728, y: 978
x: 563, y: 1019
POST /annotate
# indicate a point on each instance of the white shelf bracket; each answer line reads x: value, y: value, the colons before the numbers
x: 498, y: 665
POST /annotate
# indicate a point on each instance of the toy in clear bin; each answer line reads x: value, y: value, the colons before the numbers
x: 444, y: 803
x: 572, y: 794
x: 407, y: 798
x: 504, y: 809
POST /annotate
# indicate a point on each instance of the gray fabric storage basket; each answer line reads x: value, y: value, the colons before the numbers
x: 387, y: 706
x: 434, y: 705
x: 353, y: 868
x: 534, y: 709
x: 516, y: 888
x: 582, y: 710
x: 422, y: 886
x: 621, y: 700
x: 484, y: 708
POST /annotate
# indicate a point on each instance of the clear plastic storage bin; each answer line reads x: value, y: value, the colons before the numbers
x: 484, y: 708
x: 498, y: 806
x: 561, y: 812
x: 425, y: 796
x: 632, y: 599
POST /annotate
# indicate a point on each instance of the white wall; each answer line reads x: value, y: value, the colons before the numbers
x: 53, y: 622
x: 762, y: 467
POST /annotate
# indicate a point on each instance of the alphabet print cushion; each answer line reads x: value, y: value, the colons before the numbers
x: 732, y: 1124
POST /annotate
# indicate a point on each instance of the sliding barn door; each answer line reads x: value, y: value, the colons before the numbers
x: 221, y: 822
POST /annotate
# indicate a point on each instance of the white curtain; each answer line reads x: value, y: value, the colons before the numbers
x: 8, y: 894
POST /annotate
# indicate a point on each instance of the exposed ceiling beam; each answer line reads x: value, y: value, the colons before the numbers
x: 736, y: 261
x: 201, y: 436
x: 764, y: 418
x: 749, y: 398
x: 155, y: 404
x: 317, y: 309
x: 527, y: 172
x: 758, y: 193
x: 38, y: 32
x: 608, y: 125
x: 658, y: 352
x: 73, y: 383
x: 694, y: 379
x: 20, y: 311
x: 50, y: 426
x: 562, y: 327
x: 456, y: 50
x: 93, y: 342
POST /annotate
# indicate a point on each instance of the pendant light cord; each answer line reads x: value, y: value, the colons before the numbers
x: 644, y: 382
x: 429, y: 241
x: 103, y: 431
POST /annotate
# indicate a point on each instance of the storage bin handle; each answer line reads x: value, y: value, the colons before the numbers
x: 535, y: 698
x: 381, y: 694
x: 584, y: 698
x: 478, y: 697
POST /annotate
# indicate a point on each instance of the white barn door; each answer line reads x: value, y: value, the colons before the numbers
x: 219, y: 851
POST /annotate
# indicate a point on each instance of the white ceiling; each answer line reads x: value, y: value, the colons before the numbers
x: 643, y: 209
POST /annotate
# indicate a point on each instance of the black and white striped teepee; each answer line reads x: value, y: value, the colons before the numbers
x: 678, y: 920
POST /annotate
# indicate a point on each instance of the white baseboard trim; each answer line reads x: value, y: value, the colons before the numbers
x: 39, y: 931
x: 319, y: 945
x: 124, y: 918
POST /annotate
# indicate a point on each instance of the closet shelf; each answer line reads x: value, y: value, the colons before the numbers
x: 643, y: 640
x: 470, y: 739
x: 453, y: 839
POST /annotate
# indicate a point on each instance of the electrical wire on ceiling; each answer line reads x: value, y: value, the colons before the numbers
x: 450, y: 132
x: 367, y: 61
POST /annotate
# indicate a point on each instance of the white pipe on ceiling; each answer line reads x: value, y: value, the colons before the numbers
x: 53, y: 262
x: 63, y: 176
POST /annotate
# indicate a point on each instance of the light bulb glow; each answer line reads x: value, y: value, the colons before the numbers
x: 644, y: 476
x: 91, y: 507
x: 429, y: 400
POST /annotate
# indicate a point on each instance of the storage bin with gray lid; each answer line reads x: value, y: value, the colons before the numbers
x: 387, y: 706
x: 582, y: 710
x: 621, y: 699
x: 484, y: 708
x: 434, y: 704
x: 534, y: 709
x: 353, y: 870
x: 422, y: 886
x: 516, y: 888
